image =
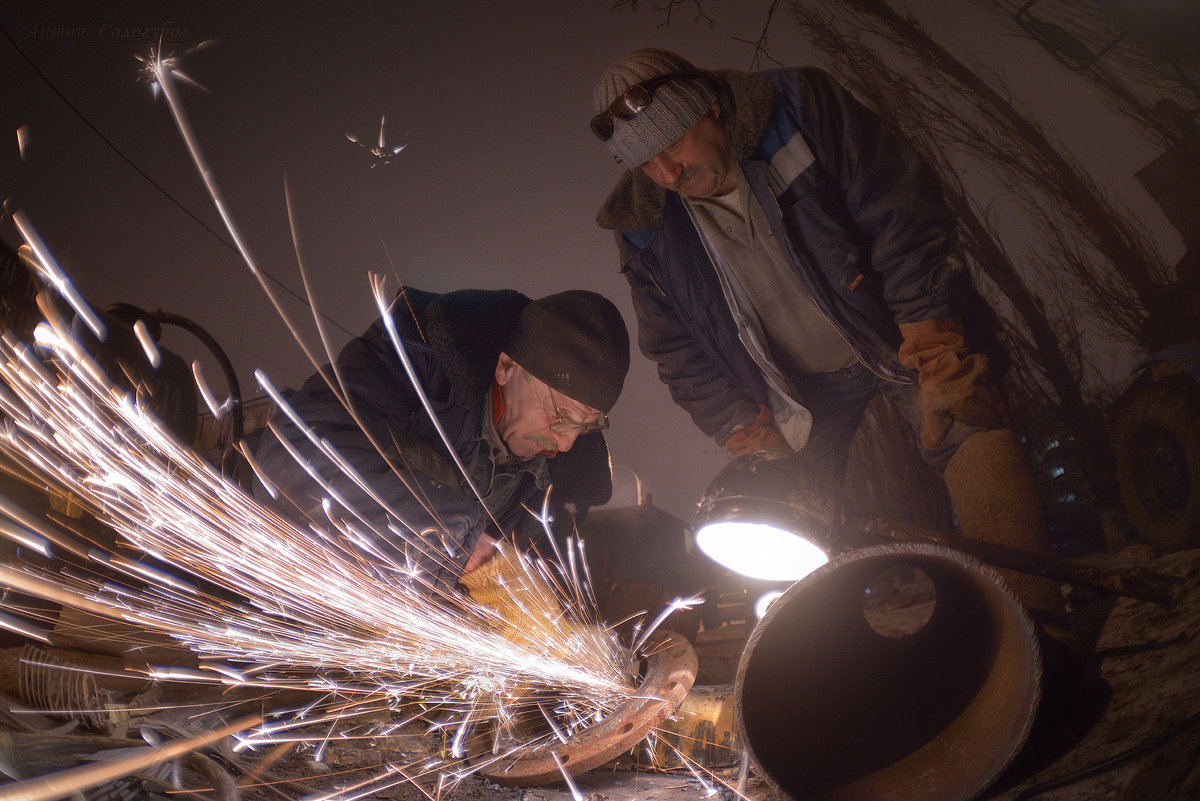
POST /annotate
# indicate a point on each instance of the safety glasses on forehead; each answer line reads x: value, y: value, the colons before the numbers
x: 632, y: 102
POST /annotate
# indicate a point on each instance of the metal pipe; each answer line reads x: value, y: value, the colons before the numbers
x: 834, y: 704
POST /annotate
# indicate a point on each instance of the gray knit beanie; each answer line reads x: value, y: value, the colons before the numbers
x: 575, y: 342
x: 675, y: 106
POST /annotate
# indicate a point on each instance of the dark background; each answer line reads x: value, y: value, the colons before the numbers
x: 497, y: 186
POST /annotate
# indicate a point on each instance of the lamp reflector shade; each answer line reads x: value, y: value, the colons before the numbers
x: 759, y: 550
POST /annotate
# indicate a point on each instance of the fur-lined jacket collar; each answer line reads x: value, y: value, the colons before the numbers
x: 466, y: 329
x: 636, y: 203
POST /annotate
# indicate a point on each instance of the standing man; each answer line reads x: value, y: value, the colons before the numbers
x: 789, y: 257
x: 522, y: 389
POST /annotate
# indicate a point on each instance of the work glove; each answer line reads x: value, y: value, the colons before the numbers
x: 527, y: 607
x: 760, y: 434
x: 954, y: 381
x: 530, y: 616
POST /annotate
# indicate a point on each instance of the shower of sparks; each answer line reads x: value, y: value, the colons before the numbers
x: 52, y: 274
x: 22, y: 140
x: 316, y: 614
x: 264, y: 602
x: 676, y: 605
x: 146, y: 340
x: 382, y: 153
x: 217, y: 410
x: 158, y: 64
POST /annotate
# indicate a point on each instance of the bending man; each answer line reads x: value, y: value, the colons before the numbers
x: 522, y: 389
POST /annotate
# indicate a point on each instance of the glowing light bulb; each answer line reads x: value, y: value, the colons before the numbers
x: 764, y: 602
x: 760, y: 551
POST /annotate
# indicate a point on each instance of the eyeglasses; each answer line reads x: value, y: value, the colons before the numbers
x: 564, y: 423
x: 632, y: 102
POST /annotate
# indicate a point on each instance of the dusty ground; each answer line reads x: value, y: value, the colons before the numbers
x: 1150, y: 656
x: 1145, y: 745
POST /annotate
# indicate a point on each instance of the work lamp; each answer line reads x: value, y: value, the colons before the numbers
x: 766, y: 517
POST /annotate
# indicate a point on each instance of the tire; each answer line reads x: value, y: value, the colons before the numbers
x: 1156, y: 433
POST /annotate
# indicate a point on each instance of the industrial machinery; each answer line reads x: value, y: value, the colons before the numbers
x: 898, y: 664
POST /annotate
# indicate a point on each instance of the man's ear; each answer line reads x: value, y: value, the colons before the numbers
x: 715, y: 110
x: 506, y: 369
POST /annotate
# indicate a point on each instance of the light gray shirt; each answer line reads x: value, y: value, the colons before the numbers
x: 798, y: 335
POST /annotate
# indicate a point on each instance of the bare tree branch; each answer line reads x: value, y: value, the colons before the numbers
x: 667, y: 9
x: 961, y: 123
x: 761, y: 45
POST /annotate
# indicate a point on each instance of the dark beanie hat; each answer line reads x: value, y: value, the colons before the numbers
x: 575, y: 342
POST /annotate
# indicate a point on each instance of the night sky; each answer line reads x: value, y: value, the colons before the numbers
x: 497, y: 185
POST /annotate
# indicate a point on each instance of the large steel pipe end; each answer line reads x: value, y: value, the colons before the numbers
x: 894, y: 672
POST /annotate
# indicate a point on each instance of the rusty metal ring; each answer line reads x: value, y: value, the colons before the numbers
x: 670, y: 671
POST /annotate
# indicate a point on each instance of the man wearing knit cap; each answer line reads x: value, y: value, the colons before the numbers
x: 522, y: 390
x: 789, y: 258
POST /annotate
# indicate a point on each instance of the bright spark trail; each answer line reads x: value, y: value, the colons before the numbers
x: 314, y: 604
x: 322, y: 615
x: 266, y: 603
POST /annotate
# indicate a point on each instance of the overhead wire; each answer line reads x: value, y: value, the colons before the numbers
x: 162, y: 190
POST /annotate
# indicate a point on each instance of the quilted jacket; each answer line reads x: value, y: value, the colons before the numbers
x: 861, y: 219
x: 453, y: 341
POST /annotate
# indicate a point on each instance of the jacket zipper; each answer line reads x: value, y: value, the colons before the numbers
x: 757, y: 353
x: 881, y: 371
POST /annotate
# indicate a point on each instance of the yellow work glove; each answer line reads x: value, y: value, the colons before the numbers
x: 954, y: 381
x: 523, y: 599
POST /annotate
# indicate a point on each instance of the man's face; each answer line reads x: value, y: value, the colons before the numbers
x: 699, y: 163
x: 531, y: 408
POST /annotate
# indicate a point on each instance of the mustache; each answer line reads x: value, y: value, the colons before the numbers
x: 689, y: 171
